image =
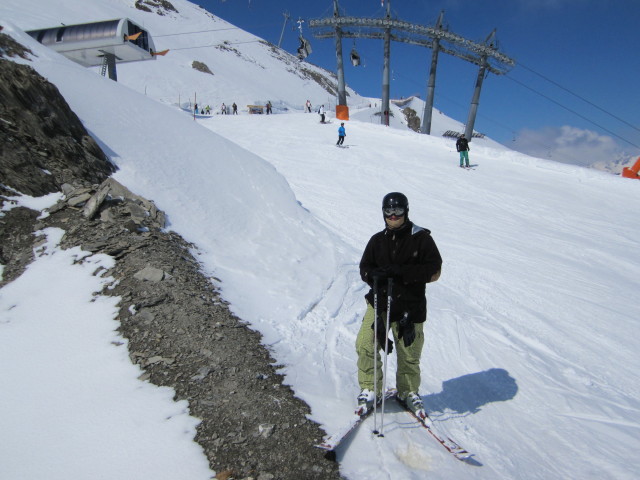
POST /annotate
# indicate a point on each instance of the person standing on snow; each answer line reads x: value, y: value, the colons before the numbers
x: 408, y: 255
x: 341, y: 134
x: 321, y: 112
x: 462, y: 145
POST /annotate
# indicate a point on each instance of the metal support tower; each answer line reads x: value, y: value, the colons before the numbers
x: 109, y: 66
x: 431, y: 85
x: 342, y: 89
x: 475, y: 100
x: 485, y: 55
x: 384, y: 107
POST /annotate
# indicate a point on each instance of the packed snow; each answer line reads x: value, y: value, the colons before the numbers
x: 530, y: 360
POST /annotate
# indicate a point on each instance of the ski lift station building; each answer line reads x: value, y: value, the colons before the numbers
x: 99, y: 43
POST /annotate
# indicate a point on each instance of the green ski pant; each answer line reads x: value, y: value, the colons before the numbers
x: 464, y: 157
x: 408, y: 373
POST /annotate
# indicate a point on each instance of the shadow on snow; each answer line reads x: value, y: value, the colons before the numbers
x: 467, y: 394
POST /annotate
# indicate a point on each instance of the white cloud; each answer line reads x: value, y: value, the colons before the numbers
x: 573, y: 145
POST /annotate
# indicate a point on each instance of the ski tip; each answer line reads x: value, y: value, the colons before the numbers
x: 330, y: 455
x: 469, y: 460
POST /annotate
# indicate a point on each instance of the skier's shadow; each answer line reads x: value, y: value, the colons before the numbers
x: 467, y: 394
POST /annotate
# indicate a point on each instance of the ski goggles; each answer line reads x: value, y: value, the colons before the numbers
x: 389, y: 211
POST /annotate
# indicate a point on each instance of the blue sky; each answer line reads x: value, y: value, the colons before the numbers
x: 562, y: 47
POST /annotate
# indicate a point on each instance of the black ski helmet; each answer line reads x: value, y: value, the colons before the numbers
x: 396, y: 199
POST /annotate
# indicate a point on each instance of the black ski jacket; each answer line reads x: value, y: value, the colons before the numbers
x: 413, y: 257
x: 462, y: 144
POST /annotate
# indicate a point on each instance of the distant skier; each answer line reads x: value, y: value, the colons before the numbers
x: 341, y: 134
x: 462, y: 145
x: 321, y: 112
x: 235, y: 108
x: 308, y: 106
x: 409, y: 256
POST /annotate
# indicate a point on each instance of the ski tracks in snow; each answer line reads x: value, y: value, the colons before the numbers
x: 330, y: 325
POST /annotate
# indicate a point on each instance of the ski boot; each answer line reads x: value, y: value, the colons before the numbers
x: 413, y: 402
x: 365, y: 401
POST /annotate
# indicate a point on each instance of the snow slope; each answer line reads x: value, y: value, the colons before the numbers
x: 530, y: 359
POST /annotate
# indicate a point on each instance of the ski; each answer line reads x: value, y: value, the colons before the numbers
x: 331, y: 442
x: 450, y: 445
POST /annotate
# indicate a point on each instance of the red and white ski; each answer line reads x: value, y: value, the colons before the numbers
x: 450, y: 445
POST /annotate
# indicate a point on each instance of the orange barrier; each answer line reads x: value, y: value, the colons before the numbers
x: 633, y: 171
x: 342, y: 112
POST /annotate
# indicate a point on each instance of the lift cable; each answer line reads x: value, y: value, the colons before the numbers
x: 572, y: 111
x: 216, y: 45
x: 580, y: 97
x: 270, y: 24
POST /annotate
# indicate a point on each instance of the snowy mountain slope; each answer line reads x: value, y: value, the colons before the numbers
x: 519, y: 322
x: 530, y: 358
x: 245, y: 68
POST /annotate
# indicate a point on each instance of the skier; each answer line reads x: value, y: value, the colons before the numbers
x: 308, y: 106
x: 462, y: 145
x: 408, y: 255
x: 321, y: 112
x: 341, y: 134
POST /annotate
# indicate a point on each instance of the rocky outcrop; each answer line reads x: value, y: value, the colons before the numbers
x: 179, y: 330
x: 201, y: 67
x: 161, y: 7
x: 412, y: 118
x: 43, y: 144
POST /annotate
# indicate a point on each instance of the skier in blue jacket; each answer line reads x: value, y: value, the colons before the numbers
x: 341, y: 134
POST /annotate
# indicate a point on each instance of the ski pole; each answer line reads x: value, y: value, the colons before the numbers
x: 386, y: 352
x: 375, y: 354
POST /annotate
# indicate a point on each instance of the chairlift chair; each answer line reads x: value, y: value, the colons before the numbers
x: 304, y: 49
x: 355, y: 58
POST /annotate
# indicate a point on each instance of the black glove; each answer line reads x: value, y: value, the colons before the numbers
x: 406, y: 330
x: 389, y: 271
x: 381, y: 273
x: 382, y: 335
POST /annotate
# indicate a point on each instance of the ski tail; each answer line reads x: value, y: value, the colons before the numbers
x: 331, y: 442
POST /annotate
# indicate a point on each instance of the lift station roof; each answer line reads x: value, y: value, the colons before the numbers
x: 88, y: 43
